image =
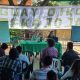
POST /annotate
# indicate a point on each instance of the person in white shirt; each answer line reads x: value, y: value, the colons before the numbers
x: 41, y: 74
x: 36, y: 36
x: 22, y: 57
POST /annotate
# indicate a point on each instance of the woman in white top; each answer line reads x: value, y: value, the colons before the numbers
x: 36, y: 36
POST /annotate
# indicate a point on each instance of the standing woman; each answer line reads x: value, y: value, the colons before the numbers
x: 51, y: 35
x: 58, y: 45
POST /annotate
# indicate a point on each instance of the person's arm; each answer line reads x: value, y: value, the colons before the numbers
x: 67, y: 74
x: 33, y: 37
x: 1, y: 62
x: 63, y: 59
x: 43, y: 53
x: 33, y: 76
x: 27, y: 60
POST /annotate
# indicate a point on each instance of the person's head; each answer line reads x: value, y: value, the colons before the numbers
x: 70, y: 45
x: 76, y: 67
x: 13, y: 53
x: 51, y: 34
x: 51, y: 75
x: 19, y: 48
x: 51, y: 42
x: 47, y: 61
x: 4, y: 46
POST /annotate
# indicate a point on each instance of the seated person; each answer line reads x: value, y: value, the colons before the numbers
x: 41, y: 74
x: 22, y: 57
x: 3, y: 47
x: 25, y: 62
x: 69, y: 56
x: 36, y: 36
x: 51, y: 75
x: 74, y: 72
x: 10, y: 66
x: 51, y: 35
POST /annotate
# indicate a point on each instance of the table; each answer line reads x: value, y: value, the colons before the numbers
x: 32, y: 45
x: 38, y: 46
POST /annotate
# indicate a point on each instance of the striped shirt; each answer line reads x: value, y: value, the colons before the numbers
x: 40, y: 74
x: 14, y: 65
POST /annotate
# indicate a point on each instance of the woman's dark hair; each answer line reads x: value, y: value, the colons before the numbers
x: 51, y: 42
x: 4, y: 46
x: 76, y: 68
x: 70, y: 45
x: 51, y: 75
x: 19, y: 48
x: 13, y: 53
x: 50, y: 34
x: 47, y: 60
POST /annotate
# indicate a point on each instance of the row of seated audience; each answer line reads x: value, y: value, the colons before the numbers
x: 11, y: 66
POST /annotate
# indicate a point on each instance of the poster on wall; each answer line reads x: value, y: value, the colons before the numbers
x: 75, y: 32
x: 58, y: 17
x: 4, y: 32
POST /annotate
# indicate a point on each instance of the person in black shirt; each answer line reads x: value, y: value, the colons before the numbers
x: 51, y: 35
x: 3, y: 47
x: 69, y: 56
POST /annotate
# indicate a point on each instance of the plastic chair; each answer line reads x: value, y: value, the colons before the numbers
x: 56, y: 64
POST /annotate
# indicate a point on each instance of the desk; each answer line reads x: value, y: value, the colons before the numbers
x: 32, y: 45
x: 38, y: 46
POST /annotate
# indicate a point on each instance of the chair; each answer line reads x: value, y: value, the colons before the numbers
x: 56, y: 64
